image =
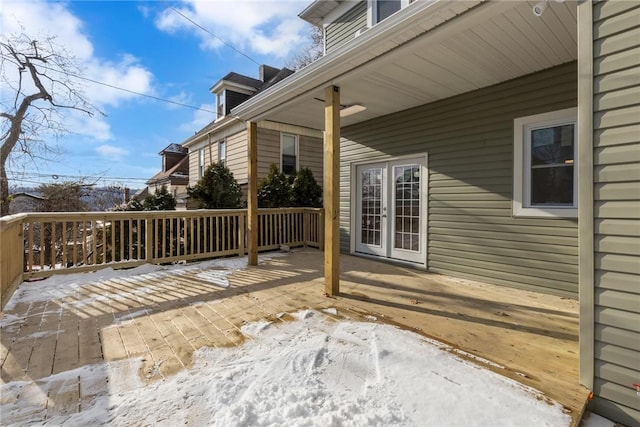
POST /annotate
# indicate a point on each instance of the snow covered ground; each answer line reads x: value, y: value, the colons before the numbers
x: 314, y: 370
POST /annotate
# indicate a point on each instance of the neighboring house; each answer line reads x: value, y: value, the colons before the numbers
x: 25, y: 202
x: 225, y: 138
x: 482, y: 140
x: 174, y: 174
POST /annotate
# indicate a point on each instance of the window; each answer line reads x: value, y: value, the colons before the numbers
x: 289, y: 153
x: 200, y: 162
x: 220, y: 104
x: 545, y: 167
x: 222, y: 152
x: 380, y: 10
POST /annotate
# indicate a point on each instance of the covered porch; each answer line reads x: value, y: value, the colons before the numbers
x: 164, y: 315
x: 433, y: 92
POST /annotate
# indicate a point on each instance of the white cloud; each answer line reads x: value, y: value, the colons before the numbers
x: 40, y: 19
x: 111, y: 152
x: 263, y: 27
x: 200, y: 118
x: 181, y: 98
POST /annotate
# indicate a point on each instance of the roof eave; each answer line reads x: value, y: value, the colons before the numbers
x: 318, y: 10
x: 355, y: 54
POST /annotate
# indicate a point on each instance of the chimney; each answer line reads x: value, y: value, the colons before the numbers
x: 127, y: 196
x: 267, y: 72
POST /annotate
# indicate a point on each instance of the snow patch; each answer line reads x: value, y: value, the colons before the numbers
x: 311, y: 372
x: 215, y: 277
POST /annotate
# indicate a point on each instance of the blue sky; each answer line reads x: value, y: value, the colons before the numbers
x: 146, y: 47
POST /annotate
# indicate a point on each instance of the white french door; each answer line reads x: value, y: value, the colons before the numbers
x: 391, y: 209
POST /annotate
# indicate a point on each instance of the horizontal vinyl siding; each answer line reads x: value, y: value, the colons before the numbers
x: 194, y: 158
x: 193, y: 168
x: 310, y: 152
x: 268, y: 151
x: 344, y: 28
x: 237, y: 156
x: 469, y: 141
x: 312, y: 156
x: 617, y: 210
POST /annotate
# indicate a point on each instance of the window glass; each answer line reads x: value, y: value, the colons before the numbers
x: 200, y: 162
x: 222, y: 152
x: 386, y: 8
x: 551, y: 176
x: 220, y: 104
x: 289, y: 154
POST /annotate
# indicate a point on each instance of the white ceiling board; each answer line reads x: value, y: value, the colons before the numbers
x: 497, y: 42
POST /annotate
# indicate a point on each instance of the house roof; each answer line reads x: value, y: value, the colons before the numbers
x: 427, y: 51
x: 215, y: 124
x: 178, y: 174
x: 174, y: 148
x: 242, y: 80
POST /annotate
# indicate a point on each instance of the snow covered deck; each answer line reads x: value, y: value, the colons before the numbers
x: 163, y: 315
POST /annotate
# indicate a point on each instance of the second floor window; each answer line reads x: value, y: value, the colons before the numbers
x: 379, y: 10
x: 289, y: 153
x: 220, y: 103
x: 386, y: 8
x: 222, y: 152
x: 200, y: 162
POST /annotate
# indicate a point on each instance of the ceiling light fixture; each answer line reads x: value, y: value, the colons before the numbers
x: 351, y: 109
x: 541, y: 6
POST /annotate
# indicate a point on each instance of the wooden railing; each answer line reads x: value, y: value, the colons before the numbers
x: 34, y: 245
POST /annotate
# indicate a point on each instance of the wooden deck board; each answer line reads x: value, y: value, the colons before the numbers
x: 164, y: 318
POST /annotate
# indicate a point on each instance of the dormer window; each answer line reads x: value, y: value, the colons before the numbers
x: 231, y: 91
x: 380, y: 10
x: 220, y: 104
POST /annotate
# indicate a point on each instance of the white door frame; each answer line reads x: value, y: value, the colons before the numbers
x: 388, y: 225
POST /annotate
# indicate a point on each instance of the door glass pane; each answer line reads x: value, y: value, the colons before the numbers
x: 407, y: 207
x: 371, y: 197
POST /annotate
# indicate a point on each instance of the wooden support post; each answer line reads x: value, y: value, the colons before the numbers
x: 252, y: 196
x: 332, y: 190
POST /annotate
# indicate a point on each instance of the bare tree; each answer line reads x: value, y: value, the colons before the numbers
x: 39, y: 76
x: 312, y: 50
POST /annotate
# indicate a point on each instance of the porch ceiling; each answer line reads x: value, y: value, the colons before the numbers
x: 484, y: 45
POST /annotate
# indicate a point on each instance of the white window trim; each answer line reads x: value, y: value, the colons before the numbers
x: 521, y: 160
x: 297, y: 145
x: 372, y: 18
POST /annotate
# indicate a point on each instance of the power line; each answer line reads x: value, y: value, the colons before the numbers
x: 214, y: 35
x: 56, y: 176
x: 157, y: 98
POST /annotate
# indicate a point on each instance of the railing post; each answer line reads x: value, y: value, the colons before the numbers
x: 241, y: 233
x: 321, y: 230
x: 252, y: 196
x: 148, y: 240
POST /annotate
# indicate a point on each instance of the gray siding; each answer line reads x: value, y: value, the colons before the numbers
x: 616, y: 144
x: 469, y: 140
x: 344, y: 28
